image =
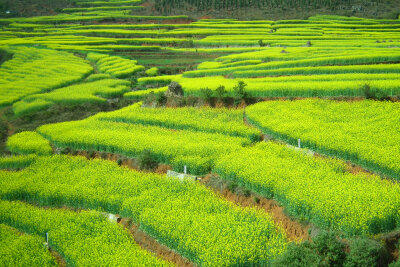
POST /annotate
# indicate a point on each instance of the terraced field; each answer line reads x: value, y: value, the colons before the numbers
x: 224, y: 136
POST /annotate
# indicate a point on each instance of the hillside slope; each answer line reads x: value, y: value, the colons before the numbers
x: 238, y: 9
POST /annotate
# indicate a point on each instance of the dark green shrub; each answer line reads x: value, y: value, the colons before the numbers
x: 3, y: 131
x: 324, y: 250
x: 299, y: 255
x: 256, y: 200
x: 220, y: 91
x: 329, y: 248
x: 206, y: 94
x: 243, y: 191
x: 147, y: 160
x: 374, y: 94
x: 191, y: 101
x: 161, y: 99
x: 240, y: 90
x: 149, y: 98
x: 395, y: 264
x: 366, y: 252
x: 232, y: 186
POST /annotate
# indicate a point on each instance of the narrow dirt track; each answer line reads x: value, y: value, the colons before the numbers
x: 150, y: 244
x: 294, y: 230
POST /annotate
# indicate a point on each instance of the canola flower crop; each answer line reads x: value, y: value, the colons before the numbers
x: 195, y: 149
x: 29, y: 143
x: 81, y: 238
x: 209, y: 120
x: 365, y: 132
x: 96, y: 90
x: 18, y: 249
x: 116, y: 66
x: 317, y: 190
x: 24, y: 74
x: 183, y: 215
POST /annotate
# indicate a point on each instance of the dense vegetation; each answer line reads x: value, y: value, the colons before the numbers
x: 166, y: 86
x: 185, y: 216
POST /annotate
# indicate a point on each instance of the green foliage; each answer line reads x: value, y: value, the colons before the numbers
x: 152, y: 72
x: 240, y: 90
x: 174, y: 135
x: 29, y: 143
x: 116, y: 66
x: 82, y: 238
x: 329, y: 248
x: 25, y: 73
x: 324, y: 250
x: 16, y: 162
x: 18, y: 249
x: 366, y: 252
x: 220, y: 91
x: 147, y: 160
x: 302, y: 255
x: 372, y: 143
x: 185, y: 216
x: 209, y: 120
x: 206, y: 94
x: 373, y: 94
x: 83, y: 93
x: 287, y: 175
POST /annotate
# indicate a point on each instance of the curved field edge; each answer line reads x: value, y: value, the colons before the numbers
x: 351, y: 154
x: 315, y: 189
x: 82, y: 238
x: 21, y: 249
x: 184, y: 216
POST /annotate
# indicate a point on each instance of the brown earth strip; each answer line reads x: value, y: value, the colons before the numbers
x: 294, y: 230
x: 150, y: 244
x: 59, y: 260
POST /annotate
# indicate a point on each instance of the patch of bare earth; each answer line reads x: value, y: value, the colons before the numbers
x: 59, y: 260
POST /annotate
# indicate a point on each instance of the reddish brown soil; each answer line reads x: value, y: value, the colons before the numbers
x: 295, y: 231
x: 150, y: 244
x: 354, y: 169
x: 162, y: 169
x: 59, y: 260
x: 145, y: 4
x: 391, y: 240
x: 127, y: 162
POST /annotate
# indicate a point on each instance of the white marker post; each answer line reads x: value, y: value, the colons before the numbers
x: 299, y: 143
x: 185, y: 169
x: 47, y: 241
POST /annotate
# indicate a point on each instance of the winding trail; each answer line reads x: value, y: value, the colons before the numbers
x: 150, y: 244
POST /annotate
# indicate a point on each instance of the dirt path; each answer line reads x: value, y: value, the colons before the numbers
x: 295, y: 231
x: 10, y: 127
x: 59, y: 260
x: 150, y: 244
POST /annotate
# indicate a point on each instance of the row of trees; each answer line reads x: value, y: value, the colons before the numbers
x: 165, y: 5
